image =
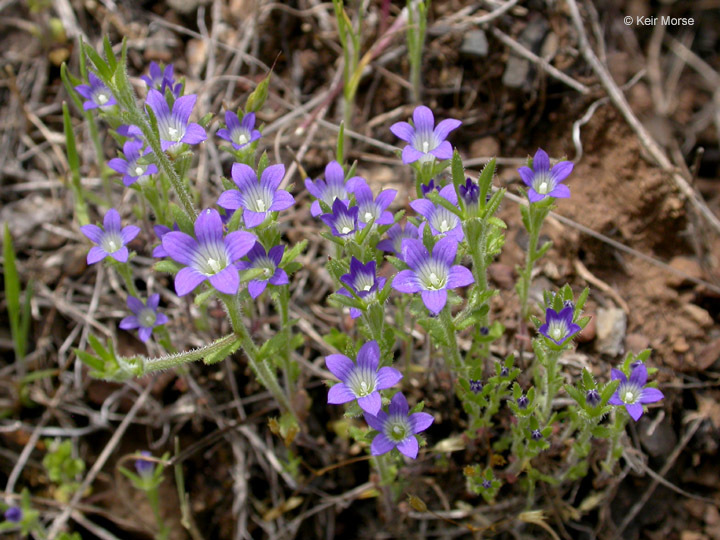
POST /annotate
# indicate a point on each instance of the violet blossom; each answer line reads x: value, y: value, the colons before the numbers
x: 545, y: 181
x: 396, y: 233
x: 632, y: 392
x: 256, y: 197
x: 426, y: 141
x: 397, y: 428
x: 129, y: 166
x: 160, y: 79
x: 343, y: 221
x: 111, y: 239
x: 14, y: 514
x: 363, y: 281
x: 373, y: 209
x: 145, y: 467
x: 440, y: 219
x: 431, y: 275
x: 332, y: 188
x: 96, y: 94
x: 238, y: 133
x: 269, y: 263
x: 361, y: 380
x: 145, y: 316
x: 160, y: 231
x: 174, y: 126
x: 209, y: 256
x: 559, y: 327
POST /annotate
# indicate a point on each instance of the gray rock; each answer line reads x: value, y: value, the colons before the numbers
x: 475, y: 43
x: 611, y: 328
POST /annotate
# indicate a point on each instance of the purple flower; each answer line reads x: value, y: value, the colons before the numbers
x: 14, y: 514
x: 209, y: 256
x: 370, y: 208
x: 238, y: 133
x: 396, y: 234
x: 96, y: 93
x: 343, y: 221
x: 431, y: 186
x: 160, y: 231
x: 257, y: 198
x: 475, y: 386
x: 427, y: 142
x: 487, y: 484
x: 161, y: 79
x: 363, y: 281
x: 111, y: 239
x: 268, y: 262
x: 431, y: 275
x: 175, y: 126
x: 545, y: 181
x: 469, y: 193
x: 592, y: 397
x: 145, y: 316
x: 559, y: 327
x: 536, y: 435
x: 633, y: 393
x: 333, y: 187
x: 129, y: 166
x: 130, y: 131
x: 145, y: 467
x: 361, y: 380
x: 523, y: 402
x: 397, y: 429
x: 440, y: 219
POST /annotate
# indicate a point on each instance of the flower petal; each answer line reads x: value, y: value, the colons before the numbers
x: 562, y: 170
x: 194, y: 134
x: 272, y: 176
x: 334, y: 173
x: 423, y: 119
x: 409, y: 447
x: 120, y: 255
x: 180, y: 246
x: 527, y: 175
x: 434, y: 300
x: 340, y: 366
x: 398, y: 405
x: 403, y: 131
x: 96, y: 254
x: 445, y: 251
x: 238, y: 243
x: 424, y: 207
x: 443, y: 150
x: 230, y: 199
x: 183, y: 106
x: 414, y: 253
x: 282, y: 200
x: 256, y: 287
x: 616, y: 374
x: 243, y: 176
x: 561, y: 191
x: 339, y: 394
x: 541, y: 161
x: 135, y: 304
x: 93, y: 232
x: 639, y: 374
x: 253, y: 219
x: 208, y: 227
x: 459, y: 276
x: 187, y: 279
x: 369, y: 356
x: 387, y: 377
x: 406, y: 282
x: 651, y: 395
x: 371, y: 403
x: 144, y: 333
x: 157, y: 103
x: 129, y: 323
x: 376, y: 421
x: 443, y: 129
x: 421, y: 421
x: 129, y: 233
x: 381, y: 445
x: 276, y: 254
x: 111, y: 221
x: 410, y: 155
x: 227, y: 280
x: 635, y: 410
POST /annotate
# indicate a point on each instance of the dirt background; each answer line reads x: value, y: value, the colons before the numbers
x: 662, y: 292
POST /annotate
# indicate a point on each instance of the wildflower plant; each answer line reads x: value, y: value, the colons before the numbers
x: 396, y: 274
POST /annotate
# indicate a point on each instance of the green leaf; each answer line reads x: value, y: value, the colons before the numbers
x: 457, y: 170
x: 608, y: 391
x: 167, y: 266
x: 91, y: 361
x: 576, y: 394
x: 485, y: 180
x: 587, y: 379
x: 257, y: 98
x: 223, y: 353
x: 339, y: 154
x: 12, y: 292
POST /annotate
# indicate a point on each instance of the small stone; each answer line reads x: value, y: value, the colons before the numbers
x: 475, y: 43
x: 503, y: 275
x: 659, y: 439
x: 709, y: 355
x: 699, y: 315
x: 636, y: 343
x: 686, y: 265
x: 681, y: 345
x: 516, y: 72
x: 588, y: 333
x: 611, y: 327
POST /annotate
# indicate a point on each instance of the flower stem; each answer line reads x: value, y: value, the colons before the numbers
x: 451, y: 350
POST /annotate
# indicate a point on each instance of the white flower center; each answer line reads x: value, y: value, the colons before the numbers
x: 102, y: 99
x: 444, y: 225
x: 557, y: 333
x: 260, y: 205
x: 345, y: 230
x: 543, y: 187
x: 368, y: 216
x: 363, y: 388
x: 242, y: 138
x: 434, y: 280
x: 425, y: 146
x: 139, y: 170
x: 367, y: 287
x: 215, y: 265
x: 397, y: 430
x: 111, y: 246
x: 147, y: 318
x: 173, y: 132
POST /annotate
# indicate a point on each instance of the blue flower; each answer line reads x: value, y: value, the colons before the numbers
x: 145, y: 316
x: 343, y: 221
x: 269, y: 263
x: 397, y: 428
x: 632, y: 392
x: 545, y: 181
x: 238, y: 133
x: 174, y: 125
x: 363, y: 281
x: 162, y: 79
x: 559, y: 327
x: 111, y: 239
x: 426, y: 142
x: 96, y: 94
x: 129, y: 167
x: 441, y: 220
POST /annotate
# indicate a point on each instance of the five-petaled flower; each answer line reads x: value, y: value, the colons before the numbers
x: 373, y: 209
x: 256, y: 197
x: 559, y: 327
x: 128, y: 166
x: 160, y: 79
x: 632, y: 392
x: 145, y: 316
x: 363, y: 281
x: 332, y: 188
x: 396, y: 234
x: 426, y: 142
x: 361, y: 380
x: 145, y: 467
x: 238, y: 133
x: 397, y: 429
x: 111, y: 239
x: 209, y: 256
x: 175, y: 126
x: 269, y: 263
x: 343, y: 221
x: 97, y: 95
x: 440, y: 219
x: 431, y: 275
x: 545, y: 181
